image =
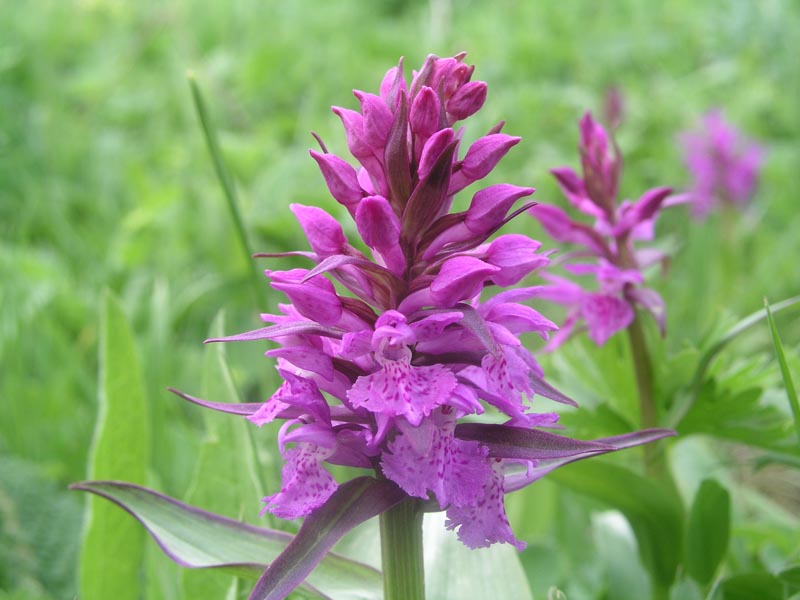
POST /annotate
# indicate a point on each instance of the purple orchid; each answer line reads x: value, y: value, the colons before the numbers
x: 608, y: 252
x: 380, y: 378
x: 723, y: 163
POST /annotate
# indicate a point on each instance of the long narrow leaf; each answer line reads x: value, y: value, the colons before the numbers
x: 353, y: 503
x: 113, y: 546
x: 505, y: 441
x: 226, y: 476
x: 225, y: 181
x: 196, y: 538
x: 788, y: 383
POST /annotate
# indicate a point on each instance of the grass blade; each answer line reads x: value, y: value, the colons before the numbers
x: 788, y: 383
x: 225, y: 181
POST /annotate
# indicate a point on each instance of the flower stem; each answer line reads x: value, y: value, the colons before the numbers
x: 401, y: 552
x: 643, y: 370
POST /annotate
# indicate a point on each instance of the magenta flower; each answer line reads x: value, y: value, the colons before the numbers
x: 723, y: 163
x: 379, y: 378
x: 608, y: 244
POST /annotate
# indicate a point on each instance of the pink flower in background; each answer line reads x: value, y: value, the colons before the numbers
x: 723, y: 163
x: 607, y: 250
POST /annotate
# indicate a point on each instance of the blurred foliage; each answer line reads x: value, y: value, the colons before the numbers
x: 105, y: 182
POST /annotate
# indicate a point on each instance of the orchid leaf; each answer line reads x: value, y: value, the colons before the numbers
x: 708, y: 531
x: 196, y: 538
x: 654, y: 512
x: 788, y: 383
x: 505, y: 441
x: 113, y: 546
x: 354, y: 502
x: 763, y: 586
x: 226, y: 472
x: 455, y: 572
x: 517, y: 481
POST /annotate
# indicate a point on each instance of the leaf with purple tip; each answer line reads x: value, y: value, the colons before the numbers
x: 353, y: 503
x: 195, y: 538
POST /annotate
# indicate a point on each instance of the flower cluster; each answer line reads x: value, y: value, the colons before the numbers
x: 608, y: 243
x: 379, y: 377
x: 723, y: 163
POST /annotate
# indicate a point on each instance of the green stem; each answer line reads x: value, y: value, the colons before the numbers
x: 401, y: 552
x: 643, y: 369
x: 225, y: 181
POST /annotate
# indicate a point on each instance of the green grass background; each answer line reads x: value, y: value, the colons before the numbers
x: 105, y: 183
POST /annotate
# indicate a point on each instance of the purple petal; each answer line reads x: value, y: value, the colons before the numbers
x: 467, y: 100
x: 433, y: 150
x: 400, y: 389
x: 481, y: 158
x: 490, y: 205
x: 455, y: 471
x: 605, y: 316
x: 314, y: 298
x: 653, y: 303
x: 324, y: 233
x: 516, y: 257
x: 460, y: 278
x: 340, y: 177
x: 380, y: 229
x: 643, y: 210
x: 305, y: 484
x: 561, y: 228
x: 377, y: 119
x: 485, y: 523
x: 425, y: 113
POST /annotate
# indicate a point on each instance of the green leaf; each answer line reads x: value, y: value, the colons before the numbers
x: 791, y: 392
x: 225, y: 478
x: 685, y: 402
x: 454, y: 572
x: 791, y: 578
x: 624, y: 575
x: 113, y: 546
x: 708, y: 531
x: 226, y: 182
x: 654, y: 512
x: 750, y: 586
x: 195, y: 538
x: 351, y: 504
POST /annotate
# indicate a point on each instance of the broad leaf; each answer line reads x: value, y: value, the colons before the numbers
x: 791, y: 578
x: 654, y: 512
x: 454, y: 572
x: 195, y: 538
x: 707, y: 531
x: 226, y: 473
x: 113, y: 546
x: 351, y: 504
x: 763, y: 586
